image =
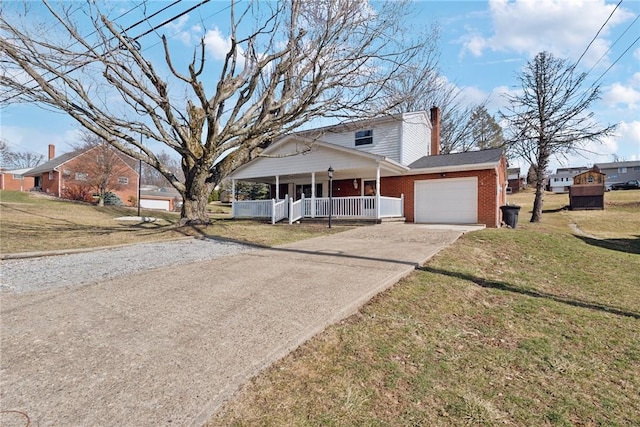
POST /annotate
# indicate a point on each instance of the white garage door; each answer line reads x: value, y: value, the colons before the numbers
x: 447, y: 201
x: 154, y: 204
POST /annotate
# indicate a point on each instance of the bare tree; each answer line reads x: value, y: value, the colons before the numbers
x: 17, y: 159
x: 301, y: 60
x: 550, y: 116
x: 151, y: 176
x: 485, y: 131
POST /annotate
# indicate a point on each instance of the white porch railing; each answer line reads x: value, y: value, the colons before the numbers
x: 390, y: 206
x: 357, y: 207
x: 280, y: 210
x: 295, y: 210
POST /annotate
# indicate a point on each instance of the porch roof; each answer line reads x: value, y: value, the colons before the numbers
x: 295, y: 155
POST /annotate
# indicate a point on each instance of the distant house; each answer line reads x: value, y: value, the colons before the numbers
x: 560, y: 181
x: 515, y: 182
x: 620, y: 171
x: 64, y: 176
x: 386, y: 167
x: 587, y: 191
x: 16, y: 180
x: 166, y: 199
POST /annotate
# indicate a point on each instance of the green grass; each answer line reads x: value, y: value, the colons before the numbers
x: 525, y: 327
x: 31, y: 222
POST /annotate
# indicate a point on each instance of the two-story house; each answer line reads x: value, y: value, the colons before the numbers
x: 620, y: 171
x: 384, y: 167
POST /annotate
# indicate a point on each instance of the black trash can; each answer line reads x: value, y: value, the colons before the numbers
x: 510, y: 215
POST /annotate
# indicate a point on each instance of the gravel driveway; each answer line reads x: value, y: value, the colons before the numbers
x: 48, y: 272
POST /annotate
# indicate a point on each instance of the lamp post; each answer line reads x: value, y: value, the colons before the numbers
x: 330, y: 173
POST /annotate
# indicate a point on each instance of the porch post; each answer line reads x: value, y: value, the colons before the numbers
x: 277, y: 187
x: 233, y: 198
x: 378, y: 192
x: 313, y: 195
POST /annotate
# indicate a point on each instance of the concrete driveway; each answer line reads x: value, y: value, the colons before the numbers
x: 147, y: 351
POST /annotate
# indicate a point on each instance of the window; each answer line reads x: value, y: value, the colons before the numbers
x: 590, y: 179
x: 17, y: 176
x: 364, y: 137
x: 123, y: 180
x: 622, y: 170
x: 50, y: 176
x: 81, y: 176
x: 636, y: 168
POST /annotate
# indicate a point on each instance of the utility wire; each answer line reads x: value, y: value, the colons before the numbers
x: 614, y: 43
x: 616, y: 61
x: 113, y: 37
x: 597, y: 34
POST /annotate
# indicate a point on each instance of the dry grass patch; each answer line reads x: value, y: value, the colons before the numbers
x: 30, y: 222
x: 524, y: 327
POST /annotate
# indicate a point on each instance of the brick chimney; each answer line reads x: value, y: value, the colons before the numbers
x: 435, y: 131
x: 52, y: 151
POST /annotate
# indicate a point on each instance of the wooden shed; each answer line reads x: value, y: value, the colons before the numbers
x: 587, y: 191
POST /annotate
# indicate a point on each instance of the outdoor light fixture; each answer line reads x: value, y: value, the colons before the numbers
x: 330, y: 173
x: 355, y: 184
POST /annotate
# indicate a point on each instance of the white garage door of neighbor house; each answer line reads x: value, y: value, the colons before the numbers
x: 447, y: 201
x: 154, y: 204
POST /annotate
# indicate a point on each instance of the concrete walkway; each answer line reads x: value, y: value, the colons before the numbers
x: 171, y: 345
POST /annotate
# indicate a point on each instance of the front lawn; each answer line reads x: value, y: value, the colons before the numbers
x: 527, y: 327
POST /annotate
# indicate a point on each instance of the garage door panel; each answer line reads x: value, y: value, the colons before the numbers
x: 452, y: 201
x: 154, y: 204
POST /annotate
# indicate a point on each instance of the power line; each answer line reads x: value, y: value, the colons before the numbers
x: 616, y: 61
x: 614, y: 43
x: 597, y: 34
x: 110, y: 39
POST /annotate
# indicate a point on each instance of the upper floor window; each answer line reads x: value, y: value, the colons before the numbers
x: 364, y: 137
x: 81, y: 176
x: 590, y: 179
x: 622, y: 170
x: 123, y: 180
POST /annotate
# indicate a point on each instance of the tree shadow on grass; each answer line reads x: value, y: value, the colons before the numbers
x: 631, y: 246
x: 503, y: 286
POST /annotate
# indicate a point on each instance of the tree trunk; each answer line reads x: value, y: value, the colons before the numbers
x: 539, y: 199
x: 196, y: 198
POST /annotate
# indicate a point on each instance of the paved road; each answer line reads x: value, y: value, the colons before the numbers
x: 169, y: 346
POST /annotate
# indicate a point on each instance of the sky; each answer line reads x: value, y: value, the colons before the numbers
x: 483, y: 45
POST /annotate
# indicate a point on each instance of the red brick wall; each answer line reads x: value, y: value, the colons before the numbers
x: 344, y: 188
x: 10, y: 183
x: 489, y: 200
x: 124, y: 191
x: 49, y: 183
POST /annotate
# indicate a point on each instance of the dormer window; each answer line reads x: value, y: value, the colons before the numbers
x: 364, y: 137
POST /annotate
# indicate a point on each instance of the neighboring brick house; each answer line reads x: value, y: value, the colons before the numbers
x: 60, y: 175
x: 380, y: 168
x: 15, y: 180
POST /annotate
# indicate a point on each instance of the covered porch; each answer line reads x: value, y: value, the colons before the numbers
x: 326, y: 181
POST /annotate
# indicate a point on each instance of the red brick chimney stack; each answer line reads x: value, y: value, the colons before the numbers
x: 435, y: 131
x: 52, y: 151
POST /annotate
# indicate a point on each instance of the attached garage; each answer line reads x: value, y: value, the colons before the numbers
x: 155, y: 204
x: 447, y: 201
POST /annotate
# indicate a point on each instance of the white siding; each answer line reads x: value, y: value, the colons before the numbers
x: 386, y: 139
x: 416, y: 137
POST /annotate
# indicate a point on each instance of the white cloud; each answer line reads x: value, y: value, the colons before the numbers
x: 216, y: 44
x: 626, y: 95
x: 563, y: 27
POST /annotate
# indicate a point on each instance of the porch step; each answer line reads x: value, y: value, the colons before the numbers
x: 394, y: 219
